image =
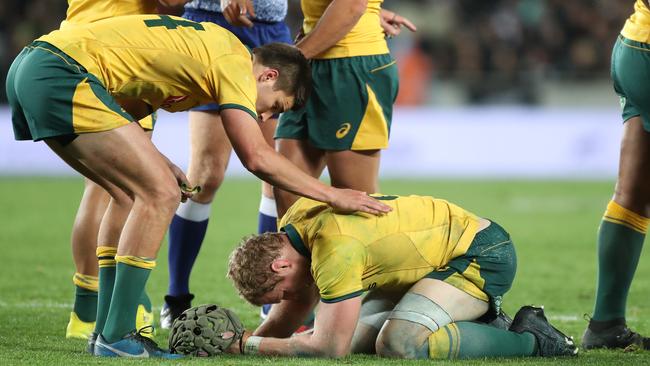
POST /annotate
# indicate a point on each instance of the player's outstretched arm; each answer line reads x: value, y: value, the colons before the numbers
x: 332, y: 337
x: 260, y: 159
x: 337, y: 21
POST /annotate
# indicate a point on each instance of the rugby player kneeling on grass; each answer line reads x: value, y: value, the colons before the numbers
x: 434, y: 274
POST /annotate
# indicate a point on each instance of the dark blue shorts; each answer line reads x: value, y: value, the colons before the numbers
x: 260, y: 34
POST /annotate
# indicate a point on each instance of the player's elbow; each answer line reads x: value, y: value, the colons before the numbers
x: 335, y: 350
x: 254, y: 161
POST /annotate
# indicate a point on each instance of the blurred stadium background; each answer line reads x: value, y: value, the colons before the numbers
x: 505, y: 107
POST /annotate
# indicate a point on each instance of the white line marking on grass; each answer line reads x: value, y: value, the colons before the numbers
x: 573, y: 318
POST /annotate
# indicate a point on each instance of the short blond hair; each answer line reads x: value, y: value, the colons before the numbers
x: 249, y: 266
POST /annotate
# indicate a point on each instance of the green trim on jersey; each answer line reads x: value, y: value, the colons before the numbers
x: 342, y: 298
x: 296, y: 241
x: 238, y: 106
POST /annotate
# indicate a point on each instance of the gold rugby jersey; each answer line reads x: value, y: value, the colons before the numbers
x: 366, y: 38
x: 637, y: 26
x: 359, y: 252
x: 165, y: 61
x: 88, y: 11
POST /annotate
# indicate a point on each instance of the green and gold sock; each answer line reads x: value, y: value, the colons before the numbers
x: 474, y: 340
x: 131, y: 277
x: 106, y: 260
x: 620, y: 240
x: 85, y: 299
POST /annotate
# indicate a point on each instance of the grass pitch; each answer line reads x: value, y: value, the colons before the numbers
x: 553, y: 225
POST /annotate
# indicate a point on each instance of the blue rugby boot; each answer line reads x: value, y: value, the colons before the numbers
x: 133, y: 345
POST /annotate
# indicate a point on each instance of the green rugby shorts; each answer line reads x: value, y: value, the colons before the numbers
x: 631, y: 75
x: 350, y: 106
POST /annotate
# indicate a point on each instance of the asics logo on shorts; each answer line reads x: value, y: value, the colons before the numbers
x: 343, y: 130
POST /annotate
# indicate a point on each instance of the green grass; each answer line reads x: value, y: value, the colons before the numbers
x: 553, y: 225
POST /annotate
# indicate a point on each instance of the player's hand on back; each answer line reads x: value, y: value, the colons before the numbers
x: 237, y: 12
x: 349, y: 200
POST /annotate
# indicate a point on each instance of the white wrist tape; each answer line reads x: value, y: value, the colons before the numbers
x: 252, y: 346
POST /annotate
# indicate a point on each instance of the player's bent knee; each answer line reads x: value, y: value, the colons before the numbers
x: 211, y: 182
x: 403, y: 339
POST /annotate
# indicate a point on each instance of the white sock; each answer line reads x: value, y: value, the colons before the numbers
x: 194, y: 211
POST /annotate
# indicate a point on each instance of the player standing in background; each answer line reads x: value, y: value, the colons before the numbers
x: 346, y: 121
x: 255, y: 23
x: 625, y: 222
x: 95, y: 199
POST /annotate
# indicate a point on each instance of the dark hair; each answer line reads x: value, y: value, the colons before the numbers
x: 294, y: 71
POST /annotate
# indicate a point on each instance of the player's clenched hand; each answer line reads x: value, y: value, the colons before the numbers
x: 392, y: 23
x: 349, y: 200
x: 237, y: 12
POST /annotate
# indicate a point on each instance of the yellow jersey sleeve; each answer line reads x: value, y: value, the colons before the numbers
x: 338, y: 264
x: 637, y: 26
x: 233, y: 85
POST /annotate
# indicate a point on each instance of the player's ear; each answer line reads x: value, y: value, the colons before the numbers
x: 269, y: 75
x: 280, y: 265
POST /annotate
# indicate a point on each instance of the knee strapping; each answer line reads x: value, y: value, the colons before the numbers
x: 420, y: 309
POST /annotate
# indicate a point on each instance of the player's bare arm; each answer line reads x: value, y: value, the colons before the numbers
x: 337, y: 21
x: 333, y: 330
x: 287, y: 315
x: 260, y: 159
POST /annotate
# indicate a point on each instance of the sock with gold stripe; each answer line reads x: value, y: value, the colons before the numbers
x: 106, y: 260
x: 85, y: 298
x: 130, y: 279
x: 474, y: 340
x: 620, y: 240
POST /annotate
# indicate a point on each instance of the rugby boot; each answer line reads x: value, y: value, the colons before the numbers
x: 132, y: 345
x: 172, y: 309
x: 550, y: 341
x: 144, y: 319
x: 77, y: 328
x: 618, y: 335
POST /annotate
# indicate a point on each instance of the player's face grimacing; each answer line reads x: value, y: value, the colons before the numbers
x: 269, y: 100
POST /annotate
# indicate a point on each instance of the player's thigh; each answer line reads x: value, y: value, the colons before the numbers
x: 428, y: 306
x: 375, y: 309
x: 210, y: 151
x: 631, y: 63
x: 633, y: 185
x: 136, y: 167
x: 354, y: 169
x: 304, y: 156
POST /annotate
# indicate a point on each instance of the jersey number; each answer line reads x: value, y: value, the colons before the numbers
x: 170, y: 23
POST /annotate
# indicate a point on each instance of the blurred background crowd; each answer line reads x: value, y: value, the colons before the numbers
x: 465, y: 51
